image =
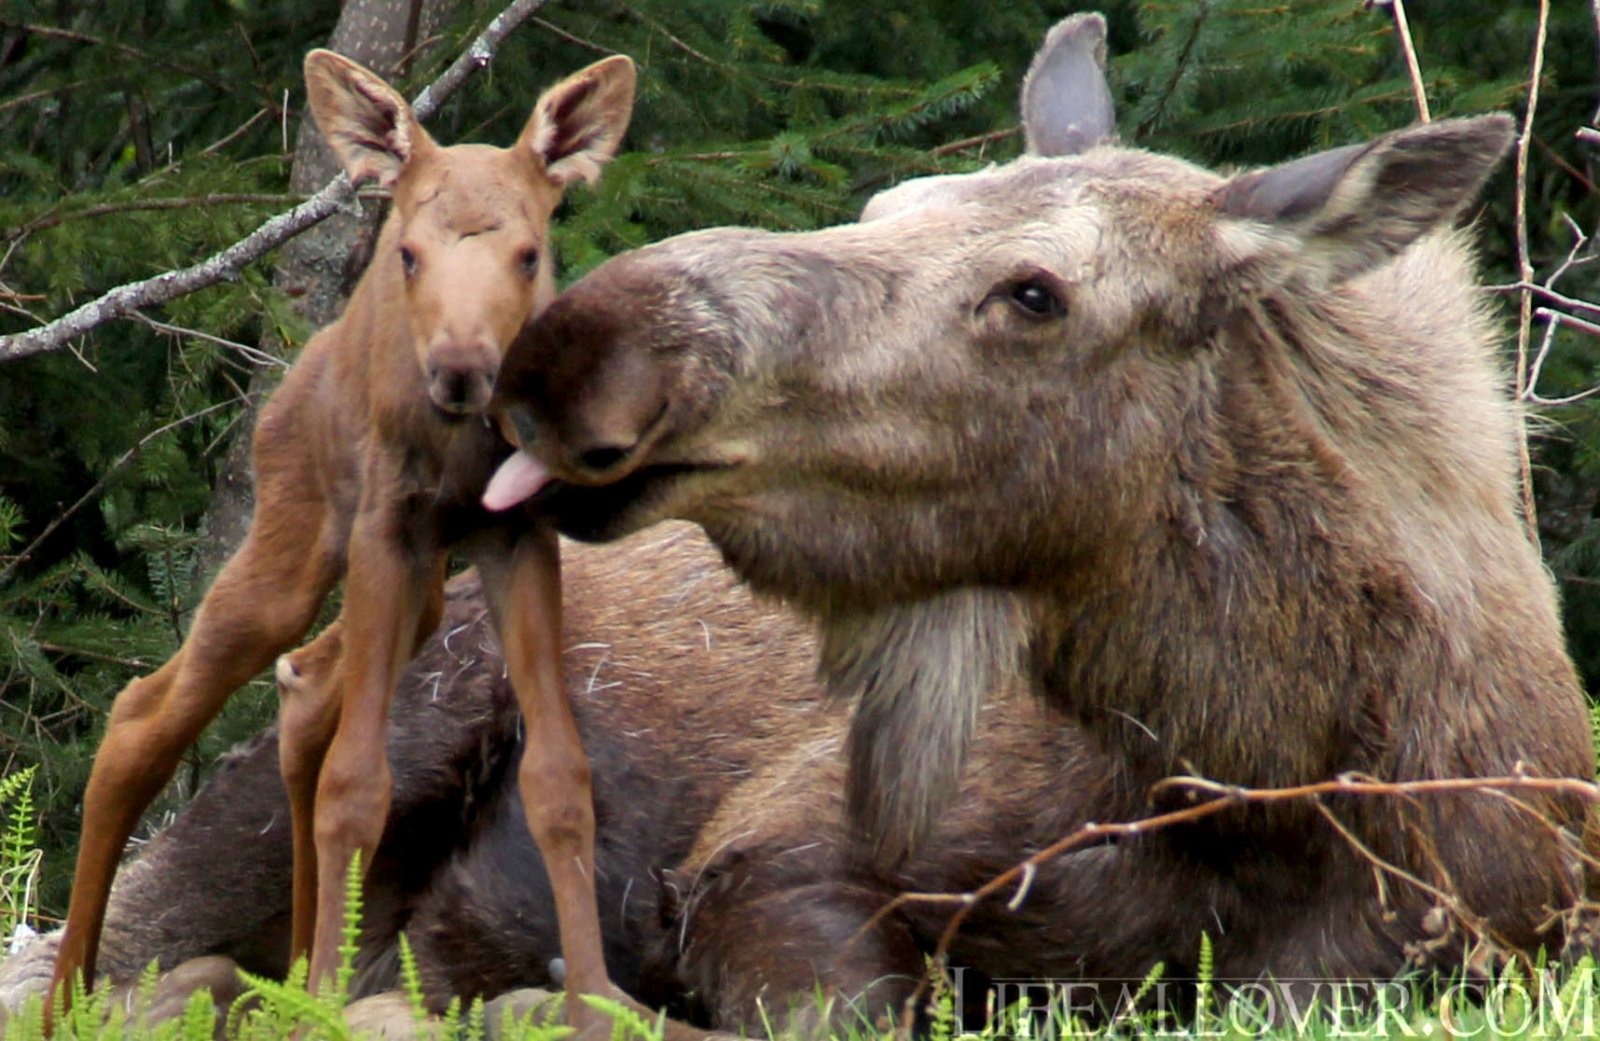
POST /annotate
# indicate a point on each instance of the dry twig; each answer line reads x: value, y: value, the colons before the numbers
x: 1220, y: 797
x: 1525, y: 268
x: 1402, y: 29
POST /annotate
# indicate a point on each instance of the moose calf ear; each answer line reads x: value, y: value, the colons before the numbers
x: 1353, y: 208
x: 1066, y: 105
x: 367, y: 124
x: 578, y: 124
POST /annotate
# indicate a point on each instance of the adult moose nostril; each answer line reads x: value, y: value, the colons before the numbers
x: 603, y: 458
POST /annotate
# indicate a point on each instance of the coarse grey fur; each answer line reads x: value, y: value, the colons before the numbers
x: 919, y: 673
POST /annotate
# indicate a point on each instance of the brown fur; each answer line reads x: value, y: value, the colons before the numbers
x: 715, y: 755
x: 1231, y: 459
x: 369, y: 461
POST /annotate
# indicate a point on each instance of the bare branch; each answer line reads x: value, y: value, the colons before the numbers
x: 1525, y: 268
x: 253, y: 355
x: 227, y: 264
x: 172, y: 284
x: 1402, y: 29
x: 477, y: 56
x: 1217, y: 798
x: 1562, y: 318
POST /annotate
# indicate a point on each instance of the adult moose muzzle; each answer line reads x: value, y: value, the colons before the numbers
x: 1219, y: 465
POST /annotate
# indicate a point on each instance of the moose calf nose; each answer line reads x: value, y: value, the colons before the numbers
x: 459, y: 390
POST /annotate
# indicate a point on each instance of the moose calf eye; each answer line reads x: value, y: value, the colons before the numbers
x: 529, y: 261
x: 408, y: 260
x: 1037, y: 299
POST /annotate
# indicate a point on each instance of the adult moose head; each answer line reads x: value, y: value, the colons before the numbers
x: 1219, y: 465
x: 366, y: 463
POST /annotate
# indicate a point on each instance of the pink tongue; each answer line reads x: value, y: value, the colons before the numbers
x: 519, y: 477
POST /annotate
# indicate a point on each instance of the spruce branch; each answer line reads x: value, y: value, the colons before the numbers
x: 74, y: 36
x: 105, y: 479
x: 227, y: 264
x: 50, y: 220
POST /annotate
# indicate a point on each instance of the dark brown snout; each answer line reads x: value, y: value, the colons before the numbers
x: 585, y: 387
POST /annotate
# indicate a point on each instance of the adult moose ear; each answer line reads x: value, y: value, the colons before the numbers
x: 1066, y: 105
x: 1352, y: 208
x: 367, y: 124
x: 577, y: 125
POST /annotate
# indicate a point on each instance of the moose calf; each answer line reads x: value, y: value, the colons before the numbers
x: 369, y: 461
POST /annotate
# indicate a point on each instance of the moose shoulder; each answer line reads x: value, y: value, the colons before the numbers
x: 1220, y: 466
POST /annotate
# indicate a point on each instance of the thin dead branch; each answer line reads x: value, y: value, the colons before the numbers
x: 1525, y: 269
x: 227, y: 264
x: 1218, y: 797
x: 1408, y: 50
x: 253, y: 356
x: 1554, y: 319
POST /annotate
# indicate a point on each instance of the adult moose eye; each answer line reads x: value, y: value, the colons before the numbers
x: 1037, y: 299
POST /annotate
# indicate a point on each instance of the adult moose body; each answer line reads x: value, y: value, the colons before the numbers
x: 1220, y: 466
x: 369, y: 460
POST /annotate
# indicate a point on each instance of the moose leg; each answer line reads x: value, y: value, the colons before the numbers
x: 524, y: 588
x: 262, y: 602
x: 308, y: 712
x: 308, y: 715
x: 389, y: 592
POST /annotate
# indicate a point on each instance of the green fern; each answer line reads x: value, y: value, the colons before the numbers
x: 199, y: 1020
x: 411, y: 981
x: 19, y: 857
x: 942, y: 1022
x: 1205, y: 979
x: 626, y: 1022
x: 349, y: 929
x: 476, y: 1028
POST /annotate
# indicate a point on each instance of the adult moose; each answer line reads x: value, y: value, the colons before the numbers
x: 1220, y: 466
x: 369, y: 462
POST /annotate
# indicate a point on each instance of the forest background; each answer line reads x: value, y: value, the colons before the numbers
x: 141, y: 136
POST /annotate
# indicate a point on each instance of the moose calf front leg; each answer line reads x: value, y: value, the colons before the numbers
x: 387, y: 593
x: 524, y: 587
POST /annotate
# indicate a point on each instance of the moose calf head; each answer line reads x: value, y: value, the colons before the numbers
x: 470, y: 245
